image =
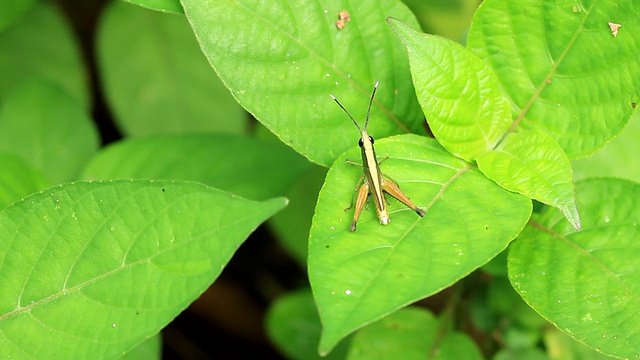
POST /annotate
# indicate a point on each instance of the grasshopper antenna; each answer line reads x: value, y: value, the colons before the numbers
x: 347, y: 112
x: 366, y: 122
x: 373, y: 93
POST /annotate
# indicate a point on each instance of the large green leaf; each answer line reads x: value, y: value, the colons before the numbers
x: 17, y: 179
x: 533, y: 164
x: 458, y: 93
x: 281, y: 59
x: 156, y: 78
x: 563, y: 70
x: 586, y: 282
x: 47, y: 128
x: 90, y: 269
x: 244, y: 166
x: 362, y: 276
x: 41, y: 44
x: 410, y: 333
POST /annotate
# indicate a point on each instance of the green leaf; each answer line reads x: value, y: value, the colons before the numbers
x: 155, y: 77
x: 615, y: 158
x: 172, y: 6
x: 281, y: 59
x: 458, y: 93
x: 47, y: 128
x: 127, y: 255
x: 585, y: 282
x: 13, y: 10
x: 563, y: 70
x: 561, y: 347
x: 450, y: 19
x: 42, y: 45
x: 362, y: 276
x: 150, y: 349
x: 17, y: 179
x: 533, y: 164
x: 456, y: 346
x: 410, y: 333
x: 294, y: 327
x: 245, y: 166
x: 520, y: 354
x: 292, y: 224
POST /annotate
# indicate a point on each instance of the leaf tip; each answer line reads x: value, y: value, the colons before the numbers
x: 571, y: 213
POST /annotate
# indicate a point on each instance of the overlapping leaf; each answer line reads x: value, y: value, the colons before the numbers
x: 244, y: 166
x: 586, y: 283
x: 469, y: 116
x: 615, y: 159
x: 458, y: 93
x: 172, y: 6
x: 17, y: 179
x: 41, y: 45
x: 411, y: 333
x: 359, y: 277
x: 126, y: 255
x: 533, y: 164
x: 294, y: 327
x: 281, y: 60
x: 156, y: 78
x: 565, y: 73
x: 48, y: 128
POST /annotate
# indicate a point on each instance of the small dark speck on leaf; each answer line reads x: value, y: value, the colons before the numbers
x: 163, y: 190
x: 327, y: 246
x: 633, y: 105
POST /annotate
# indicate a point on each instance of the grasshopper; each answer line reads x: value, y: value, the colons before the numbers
x: 373, y: 181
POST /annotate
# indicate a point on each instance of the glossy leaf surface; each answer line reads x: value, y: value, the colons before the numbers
x: 533, y: 164
x: 458, y: 93
x: 359, y: 277
x: 586, y: 282
x: 281, y: 59
x: 562, y: 68
x: 127, y: 255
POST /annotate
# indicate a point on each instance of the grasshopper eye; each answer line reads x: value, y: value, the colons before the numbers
x: 360, y: 142
x: 371, y: 139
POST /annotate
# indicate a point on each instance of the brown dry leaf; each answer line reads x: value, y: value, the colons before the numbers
x: 614, y: 28
x: 343, y: 17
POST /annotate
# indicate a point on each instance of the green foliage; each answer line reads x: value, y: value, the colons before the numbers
x: 42, y: 45
x: 282, y: 59
x: 584, y: 282
x: 48, y: 129
x: 360, y: 277
x: 115, y: 252
x: 164, y: 85
x: 100, y: 248
x: 563, y: 71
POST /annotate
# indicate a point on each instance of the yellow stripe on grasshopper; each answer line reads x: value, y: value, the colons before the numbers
x: 374, y: 182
